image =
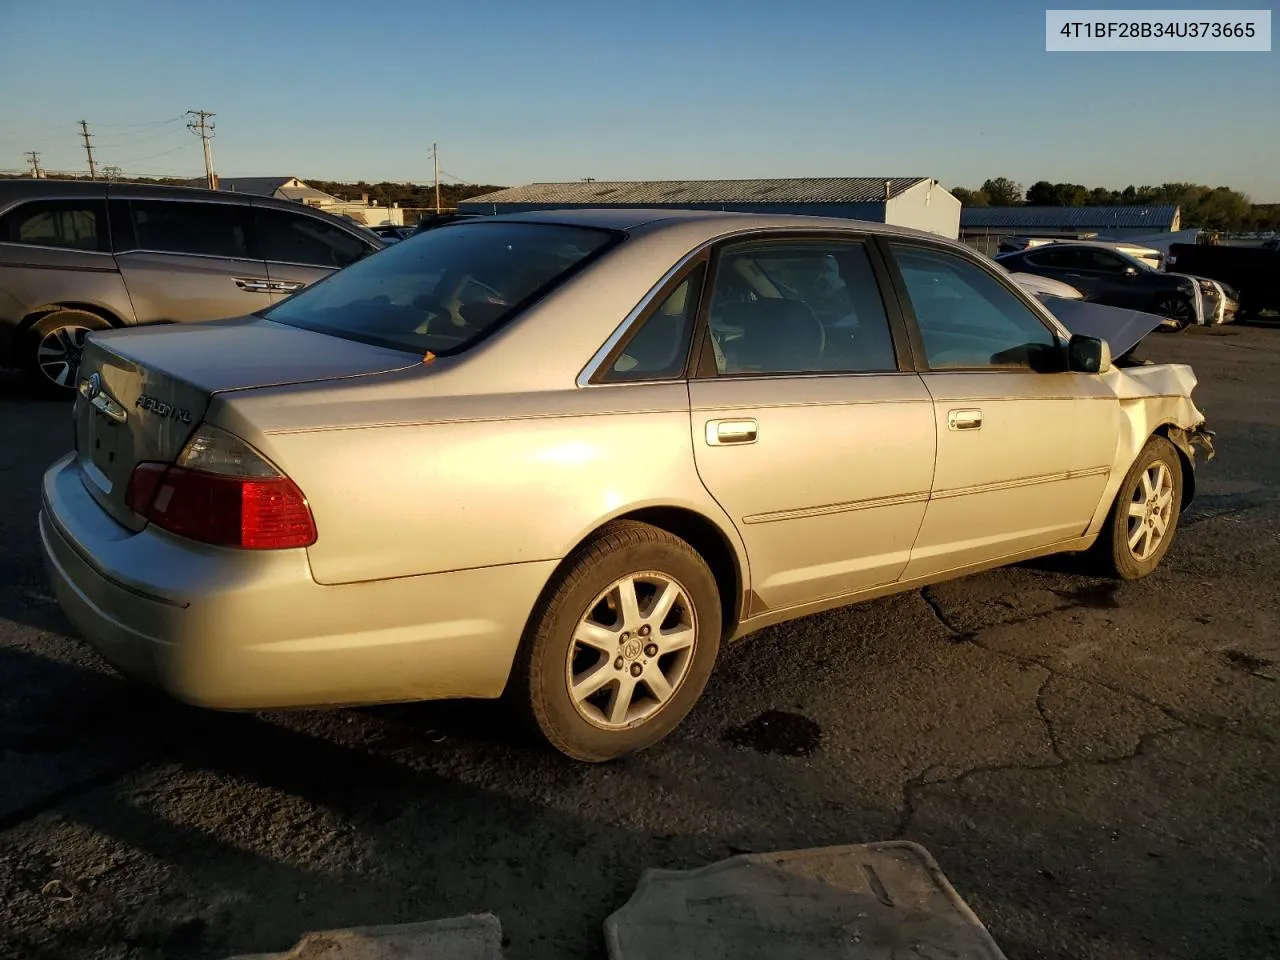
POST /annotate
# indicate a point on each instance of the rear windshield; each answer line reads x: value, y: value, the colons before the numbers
x: 444, y: 289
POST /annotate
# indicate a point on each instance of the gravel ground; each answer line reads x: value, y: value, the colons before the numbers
x: 1095, y: 765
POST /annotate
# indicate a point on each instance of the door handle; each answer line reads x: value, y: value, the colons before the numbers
x: 253, y: 284
x: 287, y: 286
x: 721, y: 432
x: 964, y: 420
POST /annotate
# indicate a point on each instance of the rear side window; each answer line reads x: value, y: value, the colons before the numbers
x: 284, y: 237
x: 181, y: 226
x: 443, y: 290
x: 71, y: 224
x: 659, y: 349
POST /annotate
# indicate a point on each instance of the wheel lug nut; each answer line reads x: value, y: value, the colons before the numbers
x: 645, y: 630
x: 636, y: 669
x: 651, y: 650
x: 617, y: 664
x: 625, y: 637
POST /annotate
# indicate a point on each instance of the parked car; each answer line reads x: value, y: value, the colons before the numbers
x: 392, y: 234
x: 1109, y: 276
x: 568, y: 455
x: 1149, y: 255
x: 431, y: 220
x: 77, y: 256
x: 1046, y: 287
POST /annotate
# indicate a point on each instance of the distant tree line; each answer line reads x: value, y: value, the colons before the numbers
x: 1209, y: 208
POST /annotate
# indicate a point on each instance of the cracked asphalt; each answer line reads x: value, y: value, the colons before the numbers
x: 1094, y: 764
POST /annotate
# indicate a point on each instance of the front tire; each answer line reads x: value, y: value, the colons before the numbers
x: 1142, y: 522
x: 622, y: 645
x: 52, y: 349
x: 1177, y: 309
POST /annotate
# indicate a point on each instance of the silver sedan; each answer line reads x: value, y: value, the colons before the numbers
x: 566, y: 456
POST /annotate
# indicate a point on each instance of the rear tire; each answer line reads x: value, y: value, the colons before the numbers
x: 622, y: 644
x: 1144, y: 517
x: 52, y: 347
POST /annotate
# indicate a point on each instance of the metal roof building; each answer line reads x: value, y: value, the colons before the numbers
x: 918, y: 202
x: 984, y: 227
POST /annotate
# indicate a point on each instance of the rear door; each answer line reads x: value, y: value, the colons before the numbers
x: 300, y: 248
x: 805, y: 427
x: 185, y: 260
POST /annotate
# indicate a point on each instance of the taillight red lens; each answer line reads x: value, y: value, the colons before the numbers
x: 257, y: 513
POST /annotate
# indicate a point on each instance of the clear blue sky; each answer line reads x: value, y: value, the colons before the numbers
x: 563, y: 89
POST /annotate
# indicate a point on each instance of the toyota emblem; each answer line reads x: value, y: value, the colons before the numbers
x: 92, y: 387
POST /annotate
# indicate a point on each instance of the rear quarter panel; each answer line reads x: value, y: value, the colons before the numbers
x: 36, y: 279
x: 463, y: 482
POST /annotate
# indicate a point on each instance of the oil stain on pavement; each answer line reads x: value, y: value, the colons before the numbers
x: 776, y: 731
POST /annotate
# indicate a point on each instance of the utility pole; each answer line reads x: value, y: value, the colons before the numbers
x: 33, y: 158
x: 435, y: 156
x: 88, y: 148
x: 204, y: 130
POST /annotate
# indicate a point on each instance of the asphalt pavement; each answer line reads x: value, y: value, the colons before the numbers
x: 1093, y: 764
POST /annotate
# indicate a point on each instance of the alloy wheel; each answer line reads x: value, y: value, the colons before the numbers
x: 58, y: 354
x: 631, y: 650
x: 1175, y: 309
x: 1150, y: 510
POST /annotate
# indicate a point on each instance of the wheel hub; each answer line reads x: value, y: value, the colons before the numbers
x: 631, y: 650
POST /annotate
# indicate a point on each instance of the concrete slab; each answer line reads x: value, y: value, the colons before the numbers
x: 474, y: 937
x: 874, y: 901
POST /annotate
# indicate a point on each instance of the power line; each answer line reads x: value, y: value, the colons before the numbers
x: 163, y: 153
x: 145, y: 124
x: 204, y: 130
x: 129, y: 140
x: 88, y: 149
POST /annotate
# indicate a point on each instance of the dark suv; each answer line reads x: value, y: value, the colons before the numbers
x: 77, y: 256
x: 1115, y: 279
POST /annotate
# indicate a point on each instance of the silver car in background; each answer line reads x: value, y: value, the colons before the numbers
x: 80, y: 255
x: 567, y: 455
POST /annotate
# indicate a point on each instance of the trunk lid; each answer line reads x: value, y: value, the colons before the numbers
x: 142, y: 392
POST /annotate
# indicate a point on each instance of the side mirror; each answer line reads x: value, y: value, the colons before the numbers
x: 1088, y: 355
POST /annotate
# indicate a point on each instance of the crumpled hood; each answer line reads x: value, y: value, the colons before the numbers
x: 1121, y: 328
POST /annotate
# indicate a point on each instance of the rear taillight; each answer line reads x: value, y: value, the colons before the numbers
x: 222, y: 491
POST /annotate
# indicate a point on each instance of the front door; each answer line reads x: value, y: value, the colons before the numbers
x: 185, y: 260
x: 804, y: 429
x: 300, y: 248
x: 1024, y: 448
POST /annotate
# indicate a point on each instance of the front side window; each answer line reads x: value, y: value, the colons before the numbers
x: 284, y: 237
x: 967, y: 318
x: 183, y: 226
x: 444, y: 289
x: 798, y: 306
x: 73, y: 224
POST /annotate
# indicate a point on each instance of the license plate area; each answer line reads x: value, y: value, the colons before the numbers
x: 100, y: 444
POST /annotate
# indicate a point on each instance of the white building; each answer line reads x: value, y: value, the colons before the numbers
x: 291, y: 188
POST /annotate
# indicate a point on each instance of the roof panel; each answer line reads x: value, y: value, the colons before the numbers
x: 1158, y: 217
x: 795, y: 190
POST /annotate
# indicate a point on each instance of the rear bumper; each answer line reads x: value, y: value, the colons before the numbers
x: 237, y: 629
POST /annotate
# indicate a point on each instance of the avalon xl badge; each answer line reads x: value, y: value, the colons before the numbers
x: 166, y: 410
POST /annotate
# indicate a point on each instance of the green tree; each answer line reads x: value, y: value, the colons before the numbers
x: 1002, y: 192
x: 970, y: 198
